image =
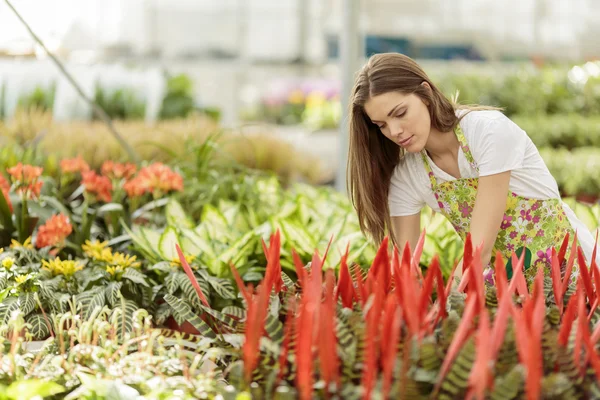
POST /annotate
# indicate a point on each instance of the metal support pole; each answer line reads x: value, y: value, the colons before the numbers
x: 350, y: 45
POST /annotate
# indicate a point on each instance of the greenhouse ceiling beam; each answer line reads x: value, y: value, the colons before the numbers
x: 351, y: 51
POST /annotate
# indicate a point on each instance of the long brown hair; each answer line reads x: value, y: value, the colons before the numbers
x: 372, y: 157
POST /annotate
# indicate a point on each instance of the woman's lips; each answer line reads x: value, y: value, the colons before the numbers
x: 406, y: 142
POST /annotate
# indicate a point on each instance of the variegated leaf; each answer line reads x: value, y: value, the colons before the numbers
x: 189, y: 291
x: 223, y: 287
x: 172, y: 282
x: 184, y: 311
x: 113, y: 292
x: 125, y: 320
x: 163, y: 311
x: 7, y: 307
x: 39, y: 326
x: 236, y: 312
x: 88, y: 301
x: 27, y: 303
x: 135, y: 276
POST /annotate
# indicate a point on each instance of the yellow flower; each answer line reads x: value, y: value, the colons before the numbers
x: 64, y: 267
x: 114, y: 270
x: 26, y: 244
x: 8, y: 262
x: 21, y: 278
x: 315, y: 99
x: 95, y: 249
x: 125, y: 260
x: 189, y: 258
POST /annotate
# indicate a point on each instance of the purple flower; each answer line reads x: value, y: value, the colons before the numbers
x: 510, y: 247
x: 523, y: 238
x: 535, y: 206
x: 465, y: 209
x: 546, y: 256
x: 540, y: 233
x: 513, y: 234
x: 536, y: 219
x: 526, y: 214
x: 506, y: 222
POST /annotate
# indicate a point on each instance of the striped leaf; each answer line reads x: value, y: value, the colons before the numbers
x: 274, y: 328
x: 181, y: 309
x: 88, y: 301
x: 39, y: 327
x: 190, y: 294
x: 236, y: 312
x: 27, y: 303
x: 135, y: 276
x: 223, y: 287
x: 3, y: 281
x: 113, y: 293
x: 172, y: 282
x: 225, y: 319
x: 163, y: 311
x: 7, y: 307
x: 124, y: 321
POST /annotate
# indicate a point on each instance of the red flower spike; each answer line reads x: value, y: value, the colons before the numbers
x: 381, y: 253
x: 417, y: 255
x: 246, y: 293
x: 500, y: 321
x: 477, y: 279
x: 451, y: 279
x: 595, y: 269
x: 518, y: 283
x: 397, y: 274
x: 300, y: 271
x: 345, y: 289
x: 361, y: 289
x: 406, y: 262
x: 468, y: 253
x: 190, y: 275
x: 392, y: 320
x: 596, y: 334
x: 287, y: 336
x: 593, y: 309
x: 567, y: 322
x: 372, y: 341
x: 432, y: 273
x: 327, y: 334
x: 479, y: 378
x: 567, y: 277
x: 265, y: 249
x: 458, y: 340
x: 409, y: 287
x: 585, y: 275
x: 563, y: 249
x: 441, y: 292
x: 500, y: 277
x: 254, y: 328
x: 556, y: 281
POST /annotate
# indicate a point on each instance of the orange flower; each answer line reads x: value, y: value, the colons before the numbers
x: 53, y: 233
x: 26, y: 179
x: 98, y: 185
x: 73, y: 165
x: 117, y: 171
x: 156, y: 178
x: 5, y: 187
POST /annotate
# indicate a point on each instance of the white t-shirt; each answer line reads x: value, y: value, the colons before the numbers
x: 497, y: 145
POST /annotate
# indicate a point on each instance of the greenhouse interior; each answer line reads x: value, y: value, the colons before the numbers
x: 205, y: 199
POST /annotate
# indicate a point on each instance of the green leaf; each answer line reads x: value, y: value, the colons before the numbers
x: 3, y: 281
x: 163, y: 311
x: 110, y: 207
x: 274, y: 328
x: 186, y: 314
x: 176, y: 216
x: 225, y: 319
x: 167, y: 242
x: 141, y: 242
x: 135, y: 276
x: 8, y: 306
x: 113, y: 292
x: 89, y: 300
x: 27, y: 303
x: 31, y: 388
x: 223, y: 287
x: 193, y: 243
x: 299, y: 237
x: 39, y: 326
x: 172, y: 282
x: 189, y: 291
x: 124, y: 320
x: 236, y: 312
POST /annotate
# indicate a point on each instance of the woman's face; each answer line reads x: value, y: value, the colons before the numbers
x: 402, y: 118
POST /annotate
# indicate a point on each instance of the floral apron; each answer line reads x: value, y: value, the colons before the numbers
x: 530, y: 225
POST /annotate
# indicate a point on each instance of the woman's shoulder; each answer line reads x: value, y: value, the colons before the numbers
x: 481, y: 117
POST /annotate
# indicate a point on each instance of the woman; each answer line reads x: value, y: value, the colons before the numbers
x: 410, y: 147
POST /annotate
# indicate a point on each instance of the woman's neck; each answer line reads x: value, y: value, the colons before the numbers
x: 441, y: 145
